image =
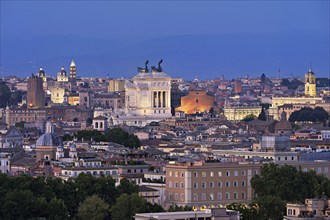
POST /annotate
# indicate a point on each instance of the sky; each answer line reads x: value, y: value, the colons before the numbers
x: 204, y: 38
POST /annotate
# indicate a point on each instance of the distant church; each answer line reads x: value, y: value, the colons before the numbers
x: 310, y: 84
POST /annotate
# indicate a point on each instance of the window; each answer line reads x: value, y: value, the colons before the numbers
x: 235, y: 183
x: 319, y: 170
x: 243, y: 172
x: 170, y: 184
x: 227, y: 184
x: 195, y: 174
x: 243, y: 195
x: 182, y: 185
x: 182, y: 197
x: 235, y: 173
x: 176, y: 196
x: 176, y: 174
x: 204, y: 185
x: 219, y: 173
x: 219, y: 184
x: 176, y: 184
x: 182, y: 174
x: 203, y: 196
x: 195, y: 197
x: 235, y: 195
x: 203, y: 174
x: 212, y: 184
x: 228, y: 173
x: 211, y: 196
x: 195, y: 185
x: 219, y: 196
x: 243, y: 183
x: 227, y: 195
x: 211, y: 174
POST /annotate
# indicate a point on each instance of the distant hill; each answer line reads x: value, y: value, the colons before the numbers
x: 207, y: 56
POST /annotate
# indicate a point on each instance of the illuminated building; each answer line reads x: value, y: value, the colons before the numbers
x: 73, y: 70
x: 116, y: 85
x: 35, y: 92
x: 196, y: 102
x: 62, y: 76
x: 310, y: 84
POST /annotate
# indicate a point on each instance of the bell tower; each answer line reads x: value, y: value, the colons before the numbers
x: 73, y: 70
x: 310, y: 84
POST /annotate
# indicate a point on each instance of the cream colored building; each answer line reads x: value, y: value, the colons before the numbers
x: 116, y: 85
x: 147, y: 99
x: 57, y: 95
x: 238, y: 113
x: 280, y: 101
x: 310, y: 84
x: 62, y: 76
x: 312, y: 209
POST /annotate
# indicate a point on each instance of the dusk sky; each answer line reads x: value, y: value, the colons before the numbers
x: 204, y: 38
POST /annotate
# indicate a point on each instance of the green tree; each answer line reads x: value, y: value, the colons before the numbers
x: 262, y: 116
x: 176, y: 208
x: 128, y: 187
x: 249, y: 118
x: 4, y: 94
x: 57, y: 210
x: 127, y: 205
x: 93, y: 208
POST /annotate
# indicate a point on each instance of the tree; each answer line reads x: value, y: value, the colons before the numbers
x: 176, y: 208
x: 128, y: 187
x: 4, y: 94
x: 249, y: 118
x: 56, y: 209
x: 317, y: 114
x: 247, y: 211
x: 89, y: 121
x: 93, y: 208
x: 278, y: 185
x: 127, y: 205
x: 262, y: 116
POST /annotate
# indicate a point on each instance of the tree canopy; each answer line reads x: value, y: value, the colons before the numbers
x: 276, y: 186
x: 26, y: 197
x: 318, y: 114
x: 116, y: 135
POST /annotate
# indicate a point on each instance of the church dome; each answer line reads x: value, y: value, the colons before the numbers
x: 62, y: 72
x: 49, y: 138
x: 41, y: 73
x: 283, y: 124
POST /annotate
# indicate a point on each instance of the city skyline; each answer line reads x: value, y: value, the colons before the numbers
x: 207, y: 39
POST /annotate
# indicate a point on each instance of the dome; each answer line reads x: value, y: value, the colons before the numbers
x: 41, y: 73
x: 49, y: 138
x: 283, y: 125
x: 62, y: 72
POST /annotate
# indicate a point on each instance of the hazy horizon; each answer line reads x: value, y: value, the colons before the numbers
x: 207, y: 39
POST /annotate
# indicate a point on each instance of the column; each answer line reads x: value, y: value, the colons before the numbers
x: 164, y: 99
x: 159, y: 99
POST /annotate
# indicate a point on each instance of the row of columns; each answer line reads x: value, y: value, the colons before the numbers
x: 159, y: 99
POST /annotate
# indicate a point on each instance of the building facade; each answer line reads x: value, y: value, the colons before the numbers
x: 35, y: 92
x: 206, y: 185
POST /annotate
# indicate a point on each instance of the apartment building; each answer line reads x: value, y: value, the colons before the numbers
x: 207, y: 185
